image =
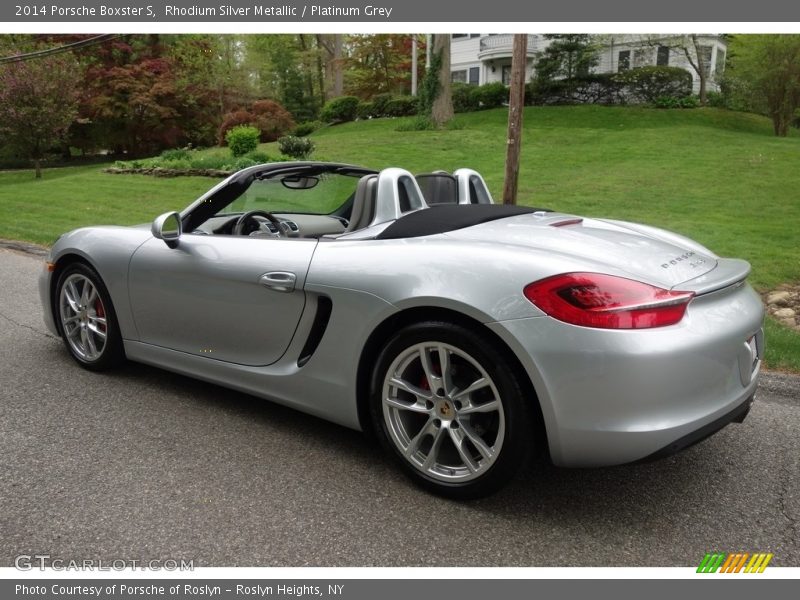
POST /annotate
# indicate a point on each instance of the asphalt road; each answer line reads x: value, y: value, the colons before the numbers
x: 145, y: 464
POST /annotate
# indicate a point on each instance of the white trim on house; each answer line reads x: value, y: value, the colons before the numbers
x: 489, y: 55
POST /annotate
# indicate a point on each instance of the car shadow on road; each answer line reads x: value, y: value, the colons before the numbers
x: 632, y: 496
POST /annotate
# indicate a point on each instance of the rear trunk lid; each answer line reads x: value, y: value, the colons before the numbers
x: 646, y: 253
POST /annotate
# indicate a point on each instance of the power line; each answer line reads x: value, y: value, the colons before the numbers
x: 98, y: 39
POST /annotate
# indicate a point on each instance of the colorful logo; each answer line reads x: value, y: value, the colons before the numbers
x: 739, y: 562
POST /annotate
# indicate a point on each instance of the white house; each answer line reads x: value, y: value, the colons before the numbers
x: 478, y: 58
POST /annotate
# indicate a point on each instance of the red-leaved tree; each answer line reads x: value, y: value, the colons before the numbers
x: 38, y: 103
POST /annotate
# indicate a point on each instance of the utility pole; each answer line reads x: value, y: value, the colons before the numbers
x: 413, y: 64
x: 516, y: 105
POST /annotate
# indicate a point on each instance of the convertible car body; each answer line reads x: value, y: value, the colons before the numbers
x: 463, y: 333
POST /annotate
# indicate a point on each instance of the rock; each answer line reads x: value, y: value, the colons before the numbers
x: 780, y: 298
x: 790, y: 322
x: 784, y: 313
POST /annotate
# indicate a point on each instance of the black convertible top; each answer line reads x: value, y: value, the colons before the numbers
x: 441, y: 218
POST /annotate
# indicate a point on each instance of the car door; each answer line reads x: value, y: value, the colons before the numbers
x: 232, y: 298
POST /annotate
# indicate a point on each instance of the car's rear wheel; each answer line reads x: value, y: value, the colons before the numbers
x: 450, y: 409
x: 87, y: 319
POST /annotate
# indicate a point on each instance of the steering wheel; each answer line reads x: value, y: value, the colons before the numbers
x: 238, y: 228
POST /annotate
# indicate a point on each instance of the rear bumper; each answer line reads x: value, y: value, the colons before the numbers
x: 737, y: 415
x: 612, y: 397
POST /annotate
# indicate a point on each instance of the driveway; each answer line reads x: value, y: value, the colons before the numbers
x: 145, y: 464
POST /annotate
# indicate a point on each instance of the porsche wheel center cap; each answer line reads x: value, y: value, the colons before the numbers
x: 446, y: 410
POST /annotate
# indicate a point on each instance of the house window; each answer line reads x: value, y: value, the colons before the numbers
x: 662, y: 59
x: 474, y: 75
x: 456, y: 36
x: 464, y: 36
x: 506, y: 75
x: 719, y: 66
x: 458, y: 76
x: 624, y: 60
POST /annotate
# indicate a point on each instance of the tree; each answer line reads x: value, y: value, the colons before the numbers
x: 769, y: 67
x: 378, y: 64
x: 566, y: 57
x: 38, y: 102
x: 697, y: 54
x: 435, y: 96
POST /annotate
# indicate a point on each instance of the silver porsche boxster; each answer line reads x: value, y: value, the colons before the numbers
x: 465, y: 334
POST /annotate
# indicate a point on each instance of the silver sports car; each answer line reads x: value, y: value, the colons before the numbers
x: 464, y: 334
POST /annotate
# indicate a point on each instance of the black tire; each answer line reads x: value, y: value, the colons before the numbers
x: 467, y: 351
x: 99, y: 314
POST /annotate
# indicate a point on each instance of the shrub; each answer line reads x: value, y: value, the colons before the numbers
x: 306, y: 128
x: 175, y: 154
x: 673, y: 102
x: 243, y: 162
x: 401, y: 106
x: 463, y: 98
x: 365, y: 110
x: 242, y: 139
x: 339, y: 110
x: 272, y: 119
x: 296, y: 147
x: 593, y: 88
x: 231, y: 120
x: 716, y: 99
x: 379, y: 102
x: 418, y: 123
x: 258, y: 157
x: 646, y: 84
x: 491, y: 95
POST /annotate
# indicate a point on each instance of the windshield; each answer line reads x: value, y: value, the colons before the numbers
x: 321, y: 195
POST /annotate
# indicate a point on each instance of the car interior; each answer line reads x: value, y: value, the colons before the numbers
x: 352, y: 203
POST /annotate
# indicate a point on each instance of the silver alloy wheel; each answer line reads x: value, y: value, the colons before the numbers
x: 443, y: 412
x: 83, y: 317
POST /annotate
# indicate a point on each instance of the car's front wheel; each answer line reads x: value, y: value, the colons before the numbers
x: 87, y: 319
x: 451, y: 409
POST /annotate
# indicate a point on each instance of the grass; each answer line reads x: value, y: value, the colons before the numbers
x: 716, y: 176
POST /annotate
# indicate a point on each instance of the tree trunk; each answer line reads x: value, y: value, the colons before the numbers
x: 516, y: 106
x: 338, y: 73
x: 37, y: 164
x: 702, y: 70
x: 442, y: 108
x: 414, y: 64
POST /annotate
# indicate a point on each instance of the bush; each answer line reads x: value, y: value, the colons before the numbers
x: 175, y: 154
x: 401, y: 106
x: 272, y: 119
x: 647, y: 84
x: 243, y: 162
x: 365, y: 110
x: 296, y: 147
x: 418, y: 123
x: 339, y: 110
x: 490, y: 95
x: 594, y: 88
x: 242, y: 139
x: 716, y: 99
x: 231, y: 120
x: 379, y: 102
x: 463, y: 98
x: 673, y: 102
x: 258, y: 158
x: 306, y: 128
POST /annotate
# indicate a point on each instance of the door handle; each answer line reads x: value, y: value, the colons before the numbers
x: 280, y: 281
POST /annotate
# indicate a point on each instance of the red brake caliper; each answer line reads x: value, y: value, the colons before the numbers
x: 100, y: 312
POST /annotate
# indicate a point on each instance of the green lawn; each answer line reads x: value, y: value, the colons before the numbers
x: 717, y: 176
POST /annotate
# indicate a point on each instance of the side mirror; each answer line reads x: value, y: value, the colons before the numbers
x: 167, y: 227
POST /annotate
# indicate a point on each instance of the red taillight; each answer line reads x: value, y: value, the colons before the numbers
x: 607, y: 302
